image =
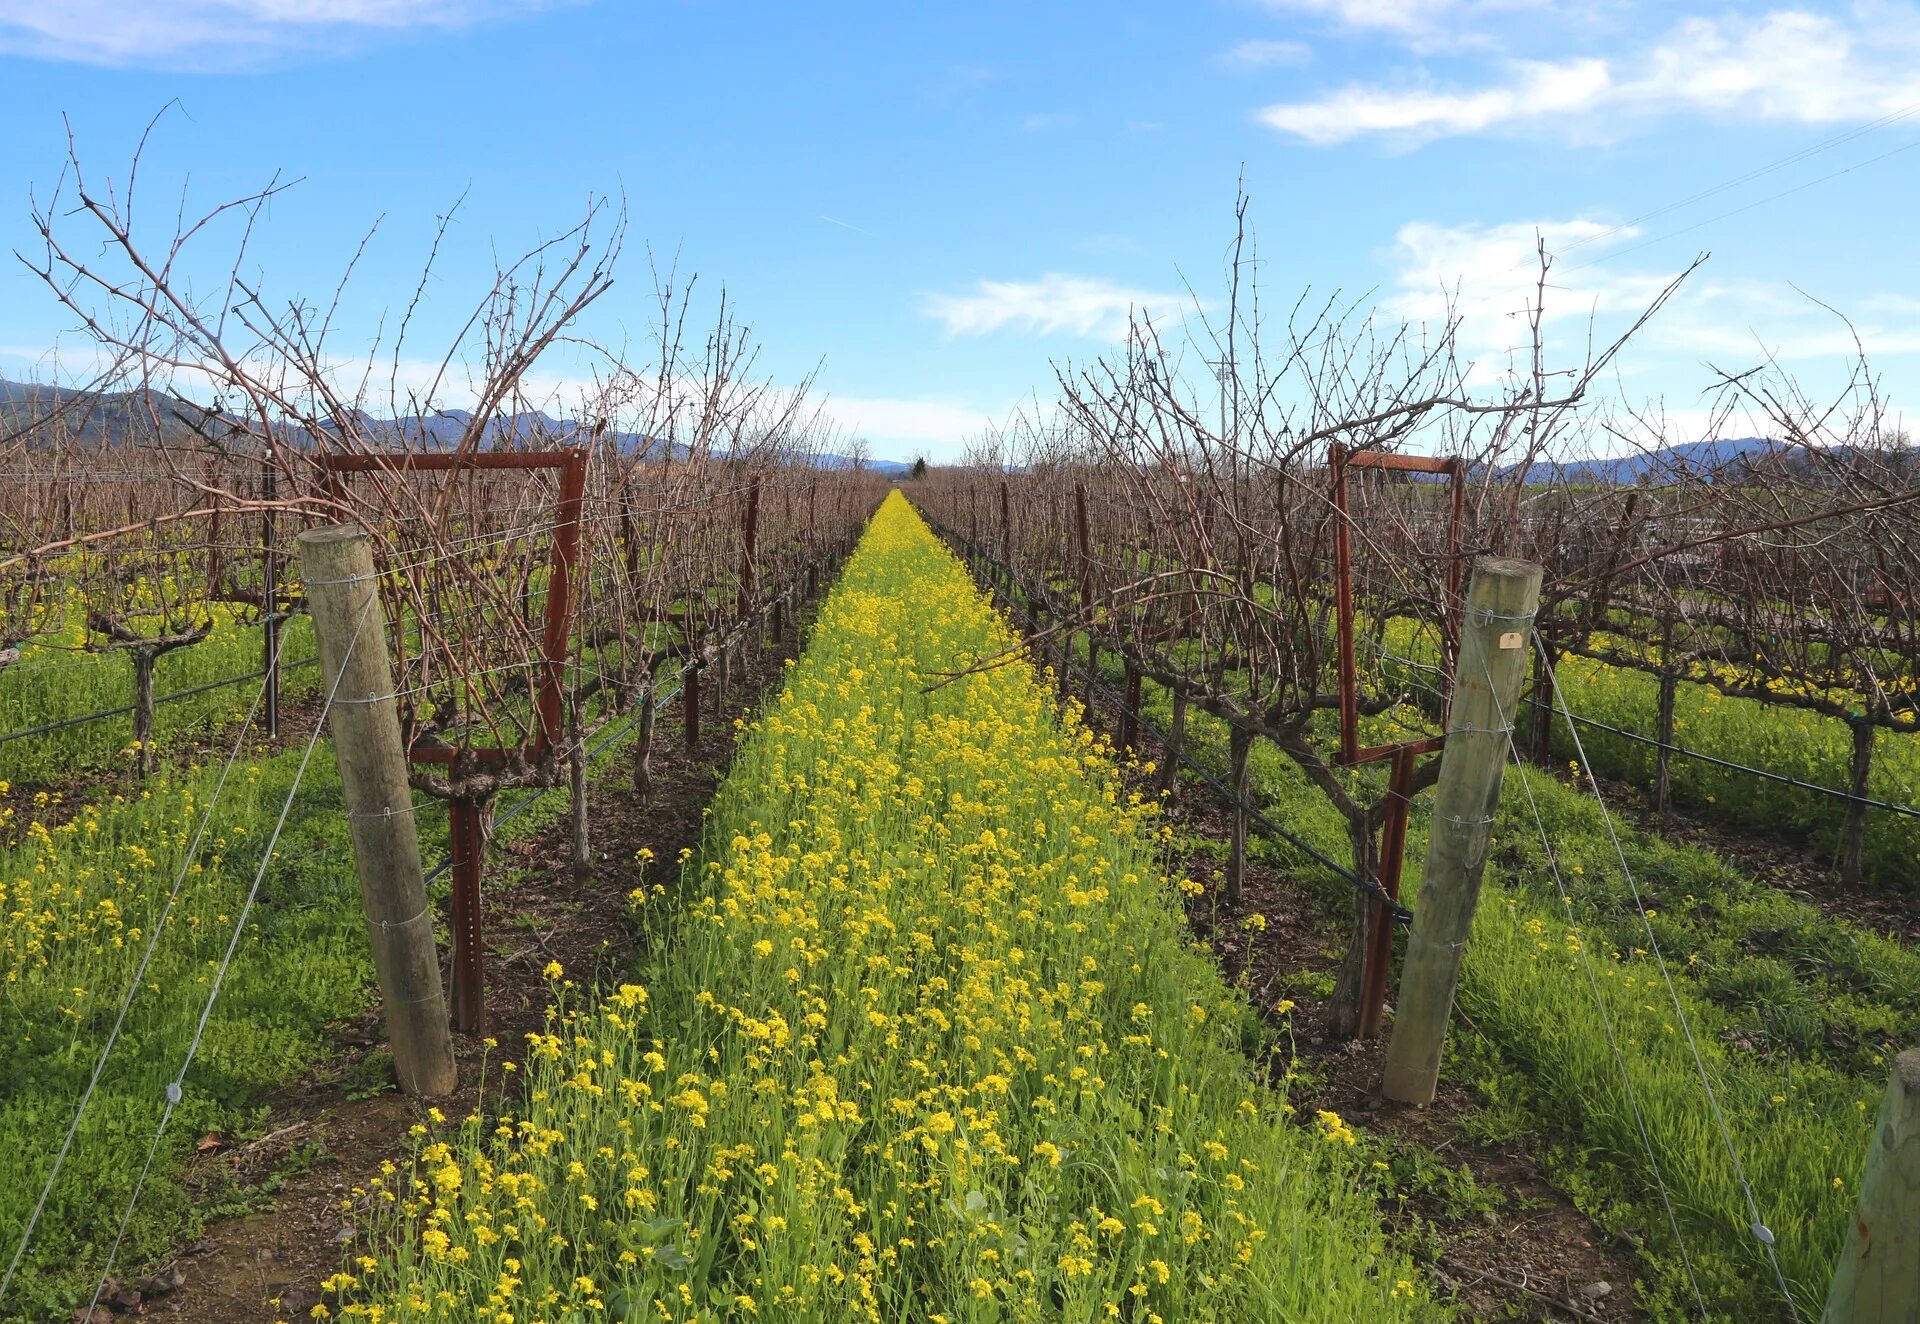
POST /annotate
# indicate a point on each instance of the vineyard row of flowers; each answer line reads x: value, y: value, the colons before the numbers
x: 921, y: 1037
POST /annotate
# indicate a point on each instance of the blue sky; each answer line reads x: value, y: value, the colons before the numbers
x: 936, y: 204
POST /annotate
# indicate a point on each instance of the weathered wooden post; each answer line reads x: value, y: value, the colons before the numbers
x: 1493, y: 660
x: 1878, y: 1277
x: 336, y: 564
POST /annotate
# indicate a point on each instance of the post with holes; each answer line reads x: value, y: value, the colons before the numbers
x: 1393, y: 854
x: 350, y: 628
x: 1493, y: 660
x: 1878, y: 1277
x: 467, y: 844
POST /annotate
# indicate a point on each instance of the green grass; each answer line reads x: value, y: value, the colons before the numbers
x: 1788, y: 741
x: 922, y: 1039
x: 78, y: 903
x: 1773, y: 737
x: 55, y: 680
x: 1795, y: 1015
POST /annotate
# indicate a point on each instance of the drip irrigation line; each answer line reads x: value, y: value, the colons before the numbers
x: 65, y: 722
x: 1846, y: 796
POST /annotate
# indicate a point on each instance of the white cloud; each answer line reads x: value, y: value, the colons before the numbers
x: 217, y: 33
x: 1417, y: 22
x: 1785, y: 66
x: 1487, y: 275
x: 898, y: 428
x: 1266, y: 54
x: 1535, y: 89
x: 1055, y: 303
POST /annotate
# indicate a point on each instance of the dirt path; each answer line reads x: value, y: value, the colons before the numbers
x: 328, y: 1134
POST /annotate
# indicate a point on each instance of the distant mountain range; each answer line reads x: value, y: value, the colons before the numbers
x: 440, y: 430
x: 1688, y: 458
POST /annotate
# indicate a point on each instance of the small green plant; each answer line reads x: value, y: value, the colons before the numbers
x: 371, y: 1076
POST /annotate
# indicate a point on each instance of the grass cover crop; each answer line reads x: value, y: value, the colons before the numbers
x: 921, y: 1039
x: 56, y: 678
x: 1795, y: 1013
x: 81, y: 887
x: 1790, y: 741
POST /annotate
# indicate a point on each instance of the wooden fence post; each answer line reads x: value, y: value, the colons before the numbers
x: 1878, y: 1277
x: 1493, y: 660
x: 336, y: 564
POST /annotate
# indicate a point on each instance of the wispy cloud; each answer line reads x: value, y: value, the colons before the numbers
x: 1052, y: 305
x: 222, y: 33
x: 896, y: 427
x: 1787, y: 66
x: 1266, y: 54
x: 1534, y: 89
x: 1486, y: 276
x: 1416, y: 22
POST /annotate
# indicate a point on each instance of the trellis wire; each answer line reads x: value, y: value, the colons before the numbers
x: 1846, y: 797
x: 126, y: 1002
x: 176, y: 1089
x: 1758, y: 1227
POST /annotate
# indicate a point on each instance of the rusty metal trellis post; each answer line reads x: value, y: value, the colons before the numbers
x: 466, y: 815
x: 1393, y: 828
